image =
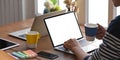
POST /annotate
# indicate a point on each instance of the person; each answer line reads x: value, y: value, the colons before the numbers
x: 108, y: 50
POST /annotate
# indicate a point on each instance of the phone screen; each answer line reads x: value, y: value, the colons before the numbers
x: 47, y: 55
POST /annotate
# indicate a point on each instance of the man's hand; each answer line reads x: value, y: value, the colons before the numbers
x: 74, y: 46
x: 71, y: 44
x: 101, y: 32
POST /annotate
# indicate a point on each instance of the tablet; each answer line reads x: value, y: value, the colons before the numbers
x: 6, y: 44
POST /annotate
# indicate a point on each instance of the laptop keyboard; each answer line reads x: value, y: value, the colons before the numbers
x: 87, y: 46
x: 84, y: 42
x: 61, y: 47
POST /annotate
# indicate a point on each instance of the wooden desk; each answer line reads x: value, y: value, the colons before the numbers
x: 43, y: 44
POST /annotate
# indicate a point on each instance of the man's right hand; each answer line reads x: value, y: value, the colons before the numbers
x: 71, y: 44
x: 101, y: 32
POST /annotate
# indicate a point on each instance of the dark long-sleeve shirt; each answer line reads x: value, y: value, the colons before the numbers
x: 110, y: 48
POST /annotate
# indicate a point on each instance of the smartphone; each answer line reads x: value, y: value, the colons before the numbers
x: 47, y: 55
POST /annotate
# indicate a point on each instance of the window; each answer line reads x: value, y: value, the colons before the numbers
x: 39, y: 6
x: 61, y: 4
x: 118, y: 11
x: 98, y: 12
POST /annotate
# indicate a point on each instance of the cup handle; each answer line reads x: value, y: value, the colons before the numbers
x: 39, y: 35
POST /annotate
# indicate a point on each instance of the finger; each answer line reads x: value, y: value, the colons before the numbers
x: 64, y: 45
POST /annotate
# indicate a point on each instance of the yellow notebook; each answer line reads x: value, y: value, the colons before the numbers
x: 5, y: 56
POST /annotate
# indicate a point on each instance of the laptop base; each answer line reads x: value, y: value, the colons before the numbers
x: 87, y: 46
x: 20, y: 33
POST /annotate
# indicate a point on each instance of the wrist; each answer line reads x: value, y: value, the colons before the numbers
x: 74, y: 49
x: 80, y: 54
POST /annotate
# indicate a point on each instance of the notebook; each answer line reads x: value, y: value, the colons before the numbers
x: 5, y: 56
x: 65, y: 26
x: 38, y: 25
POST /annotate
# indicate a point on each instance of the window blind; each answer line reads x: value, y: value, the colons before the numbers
x: 10, y: 11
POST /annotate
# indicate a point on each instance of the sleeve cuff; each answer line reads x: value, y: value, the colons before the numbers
x: 86, y: 58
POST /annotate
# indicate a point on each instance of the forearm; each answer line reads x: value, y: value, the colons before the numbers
x: 80, y: 54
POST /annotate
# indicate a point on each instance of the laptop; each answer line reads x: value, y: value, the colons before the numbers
x: 38, y: 25
x: 64, y: 26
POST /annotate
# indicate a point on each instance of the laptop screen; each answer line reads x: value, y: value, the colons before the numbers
x: 62, y: 27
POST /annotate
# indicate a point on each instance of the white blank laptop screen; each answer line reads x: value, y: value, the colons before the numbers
x: 63, y: 27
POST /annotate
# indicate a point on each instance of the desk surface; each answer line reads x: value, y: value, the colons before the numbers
x: 43, y: 44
